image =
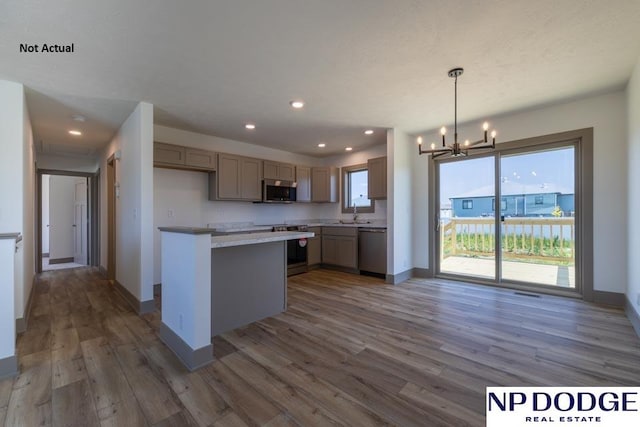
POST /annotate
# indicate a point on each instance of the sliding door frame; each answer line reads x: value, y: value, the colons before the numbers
x: 582, y: 141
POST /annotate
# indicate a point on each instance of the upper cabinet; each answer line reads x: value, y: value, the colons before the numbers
x: 178, y: 157
x: 377, y: 178
x: 303, y: 180
x: 324, y: 184
x: 281, y: 171
x: 238, y: 178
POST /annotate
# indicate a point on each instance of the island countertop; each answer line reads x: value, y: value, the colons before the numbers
x: 229, y: 240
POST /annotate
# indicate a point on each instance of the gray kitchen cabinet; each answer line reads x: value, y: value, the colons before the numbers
x: 179, y: 157
x: 340, y: 246
x: 377, y: 178
x: 324, y: 184
x: 314, y: 247
x: 281, y: 171
x: 200, y: 159
x: 303, y: 180
x: 168, y: 154
x: 238, y: 178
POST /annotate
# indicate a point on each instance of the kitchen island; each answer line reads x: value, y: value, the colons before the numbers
x: 215, y: 282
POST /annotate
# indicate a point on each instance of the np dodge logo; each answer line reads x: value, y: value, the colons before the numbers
x: 584, y: 406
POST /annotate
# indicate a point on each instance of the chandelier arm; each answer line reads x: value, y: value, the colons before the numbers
x: 436, y: 155
x: 479, y: 147
x: 435, y: 150
x: 480, y: 141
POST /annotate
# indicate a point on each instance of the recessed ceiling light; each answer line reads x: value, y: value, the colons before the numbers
x: 75, y: 132
x: 368, y: 132
x: 349, y: 148
x: 78, y: 117
x: 297, y: 104
x: 250, y: 126
x: 322, y: 145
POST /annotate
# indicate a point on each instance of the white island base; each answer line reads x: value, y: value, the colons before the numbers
x: 213, y: 284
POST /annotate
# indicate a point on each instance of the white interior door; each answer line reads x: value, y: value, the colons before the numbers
x: 80, y: 222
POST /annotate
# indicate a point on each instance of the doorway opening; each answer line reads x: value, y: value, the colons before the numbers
x: 517, y: 216
x: 67, y: 221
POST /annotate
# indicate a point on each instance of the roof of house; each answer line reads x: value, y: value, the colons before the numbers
x: 515, y: 188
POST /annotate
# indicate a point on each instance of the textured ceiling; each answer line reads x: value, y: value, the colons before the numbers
x: 212, y: 66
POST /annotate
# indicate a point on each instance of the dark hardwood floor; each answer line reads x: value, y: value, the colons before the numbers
x: 350, y: 351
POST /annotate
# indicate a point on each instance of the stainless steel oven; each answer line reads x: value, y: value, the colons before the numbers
x: 296, y: 250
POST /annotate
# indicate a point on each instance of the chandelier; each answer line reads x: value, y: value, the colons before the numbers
x: 457, y: 148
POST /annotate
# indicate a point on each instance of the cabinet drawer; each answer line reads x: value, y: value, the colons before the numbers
x: 340, y: 231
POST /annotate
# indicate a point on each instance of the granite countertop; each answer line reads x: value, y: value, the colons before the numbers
x: 229, y: 240
x: 340, y: 224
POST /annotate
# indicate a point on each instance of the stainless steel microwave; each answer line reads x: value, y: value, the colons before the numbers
x: 278, y: 191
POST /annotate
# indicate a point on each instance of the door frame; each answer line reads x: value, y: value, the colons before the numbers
x: 93, y: 213
x: 583, y: 143
x: 111, y: 217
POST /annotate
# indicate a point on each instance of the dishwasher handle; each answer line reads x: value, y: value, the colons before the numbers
x: 373, y: 230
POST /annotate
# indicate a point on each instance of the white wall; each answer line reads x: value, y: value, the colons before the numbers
x: 17, y: 184
x: 399, y: 196
x: 607, y: 115
x: 45, y: 214
x: 134, y: 207
x: 61, y: 216
x: 633, y: 191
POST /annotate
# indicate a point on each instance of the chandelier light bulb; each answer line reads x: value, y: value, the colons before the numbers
x: 485, y: 126
x: 493, y: 134
x: 443, y: 130
x: 433, y: 146
x: 466, y: 142
x: 419, y: 140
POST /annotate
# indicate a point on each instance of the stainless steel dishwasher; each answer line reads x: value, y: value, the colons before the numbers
x: 372, y: 250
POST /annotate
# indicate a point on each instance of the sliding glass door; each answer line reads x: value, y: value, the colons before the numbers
x: 538, y: 217
x: 509, y: 217
x: 467, y: 217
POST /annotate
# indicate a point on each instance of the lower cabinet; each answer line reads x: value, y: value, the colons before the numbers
x: 340, y: 246
x: 314, y: 247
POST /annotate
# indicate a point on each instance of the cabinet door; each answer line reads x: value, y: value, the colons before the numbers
x: 303, y: 179
x: 314, y: 247
x: 329, y: 250
x: 251, y: 180
x: 319, y: 184
x: 229, y: 177
x: 270, y: 170
x: 347, y: 251
x: 287, y: 172
x: 377, y: 177
x: 200, y: 159
x: 168, y: 154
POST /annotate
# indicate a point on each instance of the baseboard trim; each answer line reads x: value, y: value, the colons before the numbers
x: 140, y: 307
x: 632, y: 315
x: 609, y: 298
x: 23, y: 322
x: 60, y: 260
x: 8, y: 367
x: 192, y: 359
x: 422, y: 273
x: 394, y: 279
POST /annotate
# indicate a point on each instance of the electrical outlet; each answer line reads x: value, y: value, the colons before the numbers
x: 170, y: 213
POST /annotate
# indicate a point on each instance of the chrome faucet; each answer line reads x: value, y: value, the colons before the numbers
x: 355, y: 213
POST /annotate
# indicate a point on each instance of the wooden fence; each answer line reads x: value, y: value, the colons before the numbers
x: 523, y: 238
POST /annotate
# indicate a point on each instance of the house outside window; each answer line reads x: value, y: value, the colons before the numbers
x: 467, y: 204
x: 539, y: 200
x: 503, y: 204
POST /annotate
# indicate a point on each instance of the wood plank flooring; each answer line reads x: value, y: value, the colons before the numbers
x: 349, y: 351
